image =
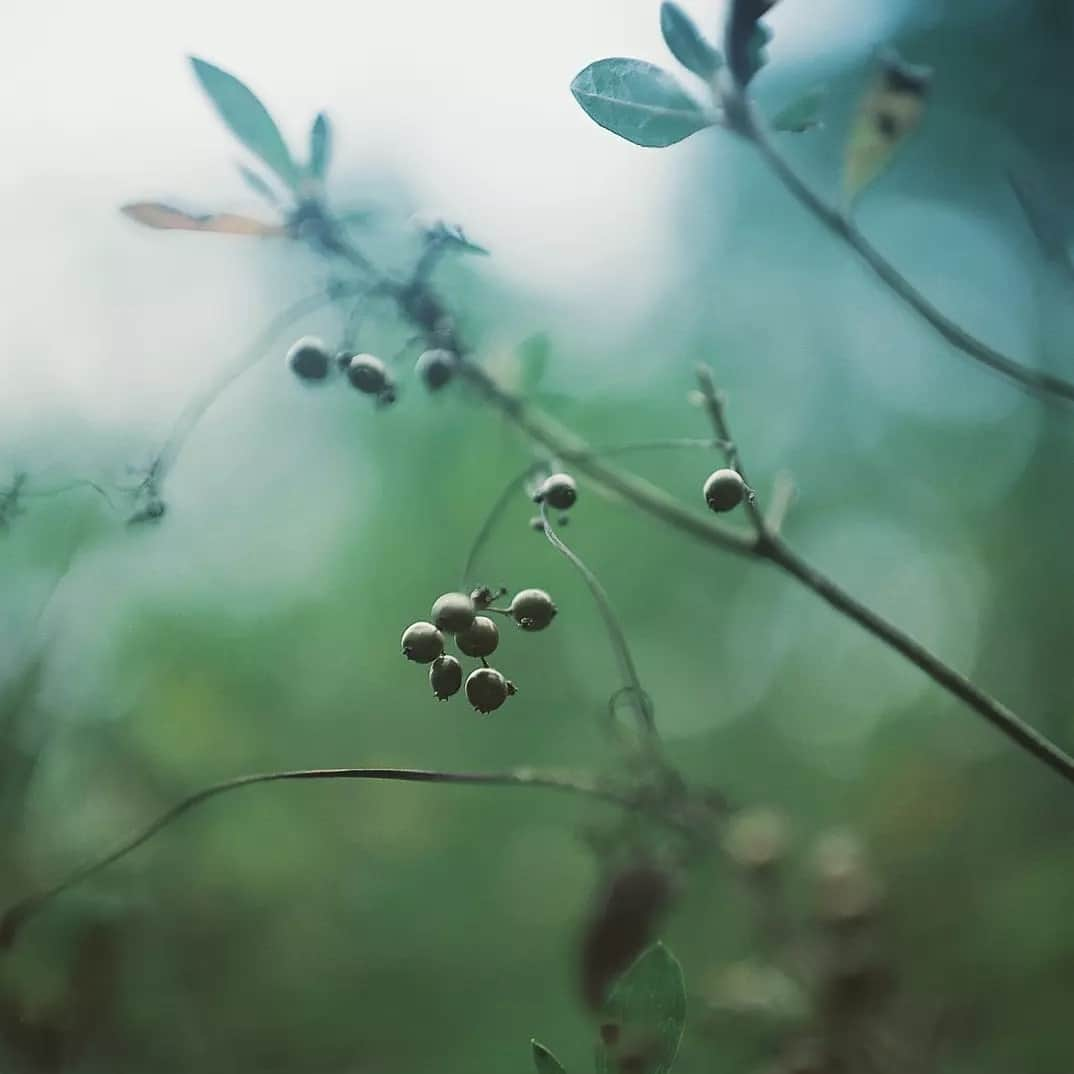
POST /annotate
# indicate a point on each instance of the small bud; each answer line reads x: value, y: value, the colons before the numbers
x: 436, y: 367
x: 368, y: 374
x: 756, y: 838
x: 480, y: 638
x: 453, y: 613
x: 724, y: 490
x: 484, y: 595
x: 486, y: 689
x: 848, y: 889
x: 422, y: 643
x: 308, y: 358
x: 558, y: 491
x: 532, y: 609
x: 537, y: 523
x: 445, y: 677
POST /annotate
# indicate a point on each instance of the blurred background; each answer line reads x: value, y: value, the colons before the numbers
x: 390, y: 928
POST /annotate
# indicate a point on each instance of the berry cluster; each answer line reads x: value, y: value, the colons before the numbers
x: 312, y: 362
x: 476, y: 635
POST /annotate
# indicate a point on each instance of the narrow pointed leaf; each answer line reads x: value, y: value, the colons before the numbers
x: 642, y: 1020
x: 248, y: 119
x: 687, y: 44
x: 889, y: 113
x: 259, y: 185
x: 544, y: 1061
x: 162, y: 217
x: 802, y: 114
x: 640, y: 102
x: 320, y: 146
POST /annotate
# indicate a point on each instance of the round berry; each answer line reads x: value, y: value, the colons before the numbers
x: 453, y: 613
x: 368, y: 374
x: 558, y: 491
x: 422, y: 643
x: 487, y: 689
x: 436, y: 368
x: 532, y: 609
x: 724, y: 490
x: 480, y: 638
x: 309, y: 359
x: 445, y: 677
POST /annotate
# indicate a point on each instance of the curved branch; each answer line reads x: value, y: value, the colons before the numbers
x: 17, y: 915
x: 752, y: 127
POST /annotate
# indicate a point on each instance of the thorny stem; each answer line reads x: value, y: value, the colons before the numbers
x: 639, y: 698
x: 17, y: 915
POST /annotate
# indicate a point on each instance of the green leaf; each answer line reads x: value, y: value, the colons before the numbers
x: 802, y: 114
x: 686, y: 43
x: 544, y: 1061
x: 320, y: 146
x: 640, y: 102
x: 247, y: 118
x: 259, y: 185
x: 643, y: 1018
x: 533, y: 355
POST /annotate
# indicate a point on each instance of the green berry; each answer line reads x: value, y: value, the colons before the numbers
x: 369, y: 374
x: 422, y: 643
x: 558, y: 491
x: 436, y: 367
x: 309, y: 359
x: 453, y: 612
x: 445, y: 677
x: 480, y: 638
x: 724, y: 490
x: 487, y: 689
x: 532, y: 609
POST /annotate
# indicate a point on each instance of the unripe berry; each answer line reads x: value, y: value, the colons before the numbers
x: 558, y: 491
x: 480, y: 638
x: 422, y: 643
x: 487, y: 689
x: 532, y: 609
x: 309, y: 359
x: 368, y: 374
x: 453, y: 612
x: 724, y: 490
x: 445, y: 677
x: 436, y: 368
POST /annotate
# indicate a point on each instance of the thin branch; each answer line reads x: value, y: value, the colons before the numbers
x: 632, y: 683
x: 747, y: 121
x: 954, y: 682
x: 773, y: 549
x: 17, y: 915
x: 199, y: 405
x: 715, y: 408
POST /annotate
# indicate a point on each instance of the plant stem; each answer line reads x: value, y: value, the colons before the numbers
x: 769, y: 547
x: 632, y: 685
x: 18, y: 914
x: 751, y: 126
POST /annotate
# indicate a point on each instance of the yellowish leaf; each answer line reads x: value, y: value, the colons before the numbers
x: 889, y: 113
x: 154, y: 214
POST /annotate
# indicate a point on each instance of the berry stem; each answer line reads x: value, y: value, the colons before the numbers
x: 715, y: 406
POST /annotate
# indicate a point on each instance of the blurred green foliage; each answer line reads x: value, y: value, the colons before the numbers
x: 393, y: 928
